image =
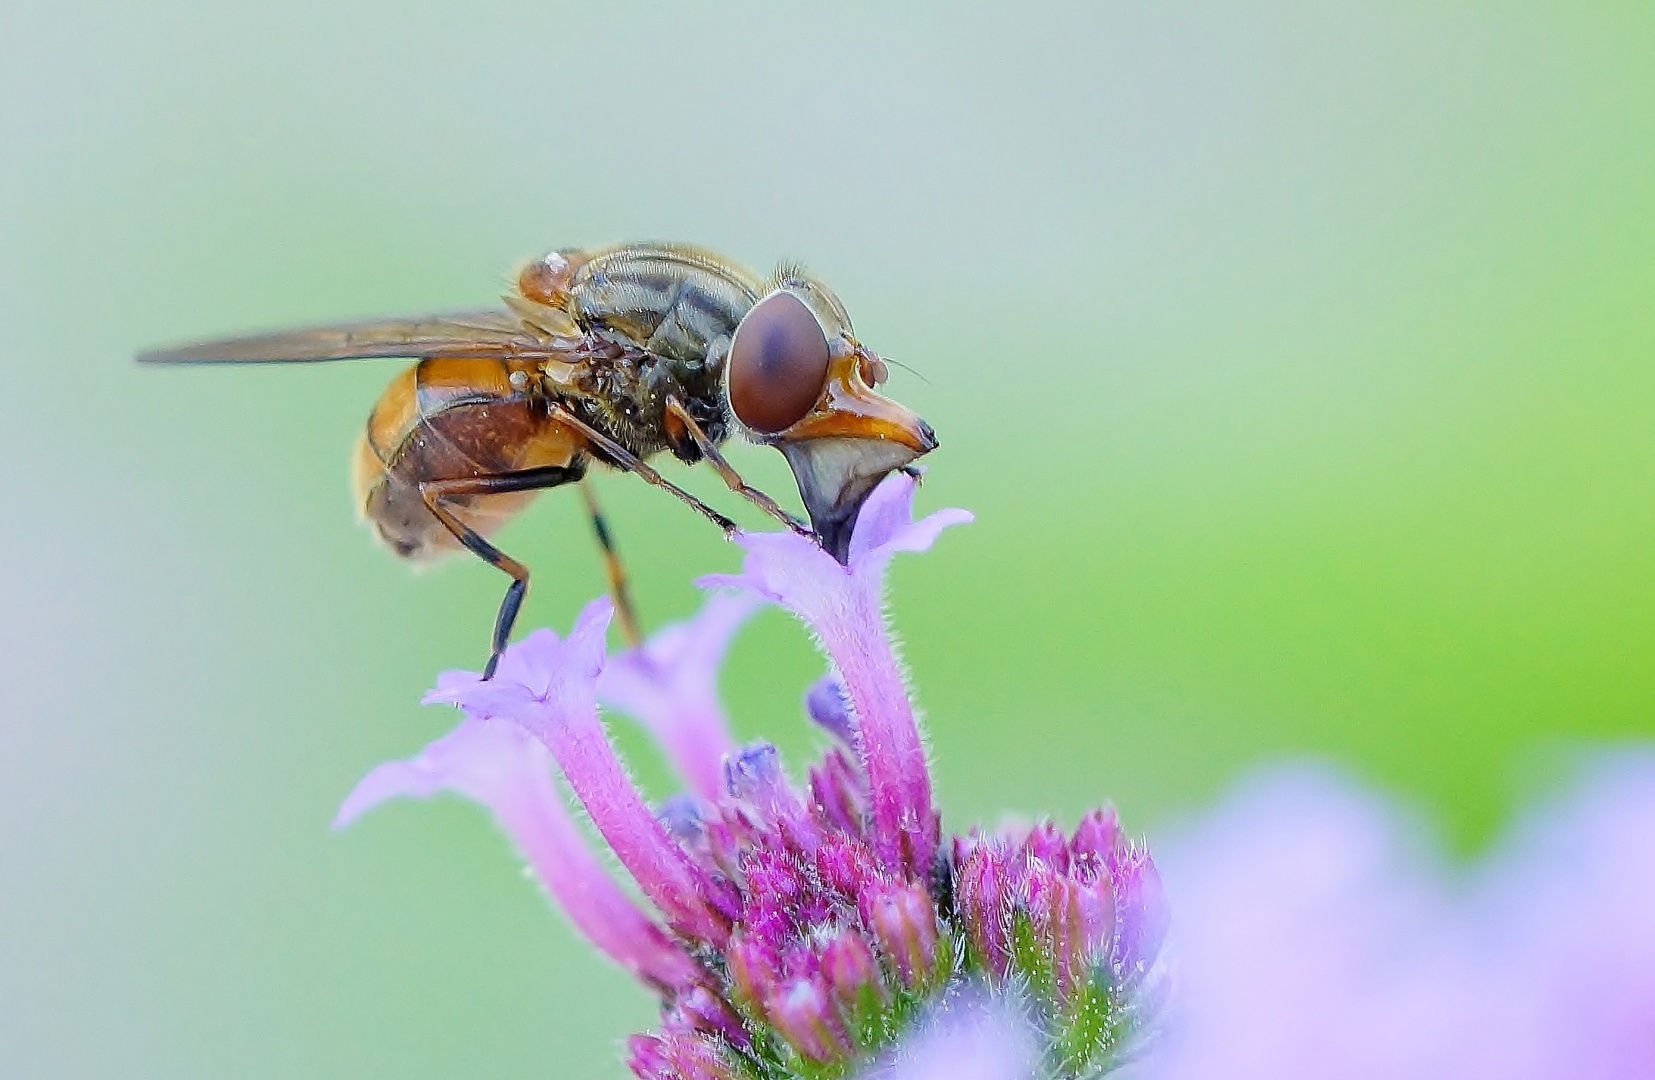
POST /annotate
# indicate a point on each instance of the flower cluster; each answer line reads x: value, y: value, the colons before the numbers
x: 1079, y: 919
x: 811, y: 930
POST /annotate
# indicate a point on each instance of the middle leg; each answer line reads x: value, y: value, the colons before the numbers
x: 622, y: 458
x: 618, y: 587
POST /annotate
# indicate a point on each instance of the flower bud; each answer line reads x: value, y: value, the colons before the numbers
x: 904, y: 922
x: 754, y: 964
x: 726, y: 845
x: 1045, y: 843
x: 647, y: 1057
x: 1140, y: 914
x: 1097, y: 839
x: 754, y: 773
x: 772, y: 880
x: 982, y: 899
x: 682, y: 815
x: 1059, y: 928
x: 829, y: 706
x: 849, y: 966
x: 698, y: 1059
x: 1096, y: 898
x: 754, y: 776
x: 804, y: 1015
x: 839, y: 792
x: 705, y: 1011
x: 845, y: 866
x: 677, y: 1056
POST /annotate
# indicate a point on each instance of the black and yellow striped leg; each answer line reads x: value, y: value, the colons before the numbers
x: 612, y: 566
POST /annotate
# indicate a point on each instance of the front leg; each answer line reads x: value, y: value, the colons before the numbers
x: 727, y: 472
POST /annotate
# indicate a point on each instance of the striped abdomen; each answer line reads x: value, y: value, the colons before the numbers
x: 446, y: 419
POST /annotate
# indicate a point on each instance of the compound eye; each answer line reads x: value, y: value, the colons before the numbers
x: 778, y: 364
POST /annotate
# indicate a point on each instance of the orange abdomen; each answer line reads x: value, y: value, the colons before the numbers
x: 446, y: 419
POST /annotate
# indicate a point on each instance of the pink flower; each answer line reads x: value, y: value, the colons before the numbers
x: 806, y: 926
x: 844, y: 607
x: 550, y: 690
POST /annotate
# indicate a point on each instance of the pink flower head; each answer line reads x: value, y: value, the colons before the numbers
x: 1076, y: 920
x: 809, y: 923
x: 843, y: 605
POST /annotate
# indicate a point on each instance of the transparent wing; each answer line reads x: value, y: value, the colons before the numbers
x: 479, y: 334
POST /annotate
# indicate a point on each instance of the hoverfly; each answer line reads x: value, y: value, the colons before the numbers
x: 607, y: 356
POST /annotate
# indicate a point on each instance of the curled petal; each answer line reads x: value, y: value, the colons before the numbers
x: 499, y: 766
x: 539, y: 678
x: 887, y: 524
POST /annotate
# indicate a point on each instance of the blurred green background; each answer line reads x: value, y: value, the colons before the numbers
x: 1295, y: 357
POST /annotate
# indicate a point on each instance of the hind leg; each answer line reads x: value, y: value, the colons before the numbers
x: 436, y: 492
x: 612, y: 566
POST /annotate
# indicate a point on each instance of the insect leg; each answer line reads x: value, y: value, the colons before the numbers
x: 612, y: 566
x: 434, y: 492
x: 626, y: 459
x: 728, y: 474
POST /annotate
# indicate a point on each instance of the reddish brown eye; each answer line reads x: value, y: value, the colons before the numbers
x: 778, y: 363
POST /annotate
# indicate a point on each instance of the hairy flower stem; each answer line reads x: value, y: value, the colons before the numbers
x: 640, y: 842
x: 905, y: 826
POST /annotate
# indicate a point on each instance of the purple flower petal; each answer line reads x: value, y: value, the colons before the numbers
x: 558, y: 706
x: 887, y: 523
x: 499, y: 766
x: 670, y: 686
x: 842, y: 605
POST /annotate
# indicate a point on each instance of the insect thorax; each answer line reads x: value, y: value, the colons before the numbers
x: 659, y: 320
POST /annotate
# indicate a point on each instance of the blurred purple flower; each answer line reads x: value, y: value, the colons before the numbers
x: 973, y: 1035
x: 1572, y: 904
x: 805, y: 928
x: 1317, y: 939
